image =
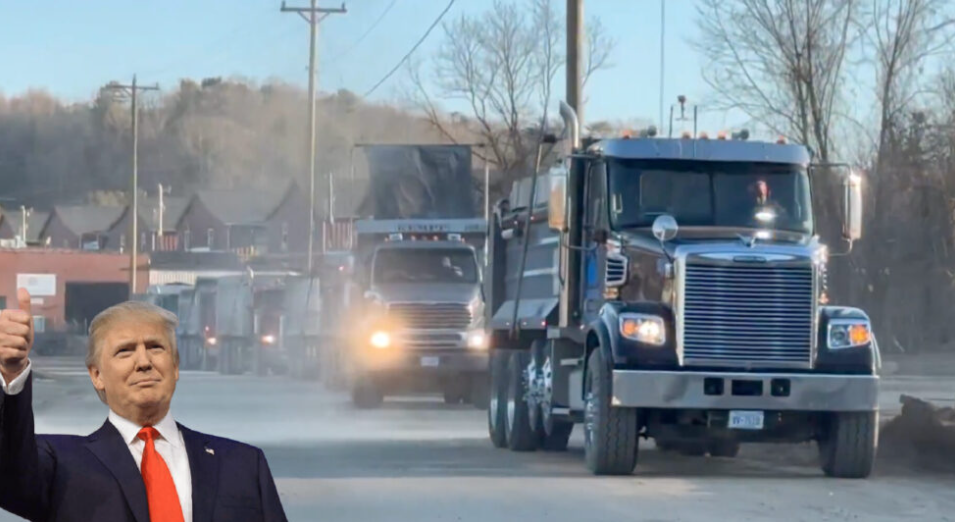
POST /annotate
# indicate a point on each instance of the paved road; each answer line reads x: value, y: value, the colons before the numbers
x: 418, y: 460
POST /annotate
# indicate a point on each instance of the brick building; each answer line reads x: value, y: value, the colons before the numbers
x: 69, y: 287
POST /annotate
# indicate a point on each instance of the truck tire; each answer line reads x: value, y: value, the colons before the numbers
x: 724, y: 448
x: 557, y: 437
x: 366, y: 395
x: 520, y: 434
x: 497, y: 404
x: 552, y: 434
x: 610, y: 434
x: 480, y: 391
x: 848, y: 446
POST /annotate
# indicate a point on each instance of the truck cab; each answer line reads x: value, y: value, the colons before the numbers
x: 676, y: 290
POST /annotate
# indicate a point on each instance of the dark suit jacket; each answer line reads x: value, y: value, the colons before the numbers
x: 82, y: 479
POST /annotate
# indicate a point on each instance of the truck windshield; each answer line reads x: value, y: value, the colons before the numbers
x: 407, y: 265
x: 721, y: 194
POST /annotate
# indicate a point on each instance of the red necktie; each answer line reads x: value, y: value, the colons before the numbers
x: 160, y: 489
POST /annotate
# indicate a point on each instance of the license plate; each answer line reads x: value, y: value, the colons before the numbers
x: 746, y: 420
x: 430, y: 362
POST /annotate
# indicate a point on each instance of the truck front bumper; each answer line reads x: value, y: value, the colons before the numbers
x: 426, y: 362
x: 742, y: 391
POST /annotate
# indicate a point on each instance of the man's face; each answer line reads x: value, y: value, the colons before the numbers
x: 762, y: 192
x: 136, y: 369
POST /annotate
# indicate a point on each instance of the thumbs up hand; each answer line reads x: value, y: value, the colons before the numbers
x: 16, y: 337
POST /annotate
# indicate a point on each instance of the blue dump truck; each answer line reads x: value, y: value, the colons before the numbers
x: 675, y: 290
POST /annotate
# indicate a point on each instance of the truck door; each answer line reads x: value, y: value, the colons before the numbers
x: 594, y: 225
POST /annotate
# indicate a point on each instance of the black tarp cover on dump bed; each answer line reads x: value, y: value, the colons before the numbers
x: 418, y: 181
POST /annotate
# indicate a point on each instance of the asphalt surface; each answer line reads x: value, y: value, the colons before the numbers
x: 416, y: 459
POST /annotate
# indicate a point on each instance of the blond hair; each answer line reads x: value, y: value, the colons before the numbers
x: 143, y: 311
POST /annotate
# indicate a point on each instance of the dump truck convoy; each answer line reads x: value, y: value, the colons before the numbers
x: 418, y: 325
x: 675, y: 289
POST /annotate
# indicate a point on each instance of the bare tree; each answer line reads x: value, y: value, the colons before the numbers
x: 779, y: 61
x: 901, y: 36
x: 600, y: 46
x: 502, y: 64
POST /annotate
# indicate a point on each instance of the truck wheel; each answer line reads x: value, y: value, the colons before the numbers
x: 520, y: 435
x: 847, y: 449
x: 552, y: 435
x: 480, y: 392
x: 366, y: 396
x: 557, y: 436
x: 610, y: 434
x: 724, y: 448
x: 497, y: 405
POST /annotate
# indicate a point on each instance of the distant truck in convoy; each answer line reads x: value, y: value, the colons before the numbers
x: 675, y: 289
x: 422, y: 322
x: 250, y: 318
x: 196, y: 334
x: 412, y: 280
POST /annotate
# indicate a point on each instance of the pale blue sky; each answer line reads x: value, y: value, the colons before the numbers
x: 71, y: 47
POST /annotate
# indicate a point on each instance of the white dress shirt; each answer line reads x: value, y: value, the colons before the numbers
x: 169, y: 445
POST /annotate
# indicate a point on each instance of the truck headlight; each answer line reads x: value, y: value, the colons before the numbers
x: 268, y: 339
x: 648, y: 329
x: 477, y: 340
x: 849, y: 333
x: 211, y: 341
x: 380, y: 340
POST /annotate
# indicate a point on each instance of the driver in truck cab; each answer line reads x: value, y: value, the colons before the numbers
x: 766, y: 210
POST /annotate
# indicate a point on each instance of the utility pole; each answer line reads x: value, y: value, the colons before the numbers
x: 663, y: 19
x: 162, y: 210
x: 575, y: 30
x: 132, y: 91
x: 310, y: 15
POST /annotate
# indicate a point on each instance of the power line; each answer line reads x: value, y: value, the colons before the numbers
x: 413, y: 49
x: 367, y: 32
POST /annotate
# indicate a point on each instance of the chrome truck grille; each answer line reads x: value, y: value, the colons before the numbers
x: 431, y: 316
x: 748, y: 315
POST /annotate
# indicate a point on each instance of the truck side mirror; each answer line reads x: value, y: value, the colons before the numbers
x: 557, y: 203
x: 665, y: 228
x: 852, y: 219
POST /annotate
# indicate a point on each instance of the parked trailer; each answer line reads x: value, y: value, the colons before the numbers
x: 249, y: 321
x: 301, y: 325
x: 197, y: 324
x: 190, y: 347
